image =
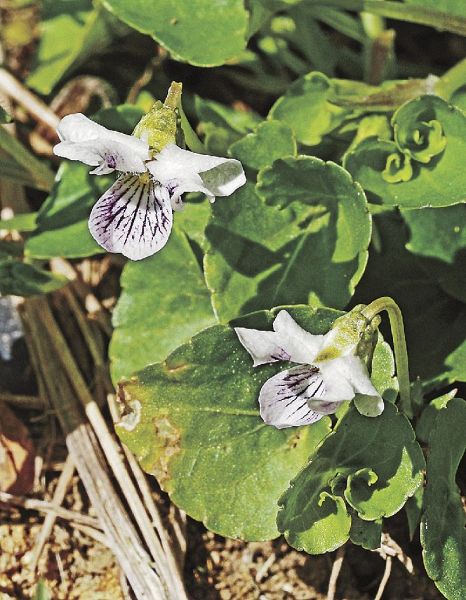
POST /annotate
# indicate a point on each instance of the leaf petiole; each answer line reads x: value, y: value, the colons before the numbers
x: 399, y: 344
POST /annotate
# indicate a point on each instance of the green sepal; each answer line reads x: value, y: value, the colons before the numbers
x: 159, y: 126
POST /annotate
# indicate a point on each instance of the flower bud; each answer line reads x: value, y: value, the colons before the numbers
x: 350, y: 334
x: 159, y: 126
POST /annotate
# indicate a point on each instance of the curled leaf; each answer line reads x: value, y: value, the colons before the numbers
x: 398, y: 168
x: 420, y: 138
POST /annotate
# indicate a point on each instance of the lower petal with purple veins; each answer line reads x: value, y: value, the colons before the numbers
x: 284, y: 398
x: 133, y: 217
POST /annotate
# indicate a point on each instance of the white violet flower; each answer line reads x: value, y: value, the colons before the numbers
x: 323, y: 379
x: 134, y: 216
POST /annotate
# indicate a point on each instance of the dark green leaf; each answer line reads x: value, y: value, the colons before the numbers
x: 20, y: 222
x: 62, y: 220
x: 261, y: 255
x: 71, y: 32
x: 423, y: 166
x: 438, y: 236
x: 448, y: 7
x: 10, y: 248
x: 201, y: 32
x: 164, y: 302
x: 201, y: 435
x: 307, y: 109
x: 4, y: 116
x: 428, y: 312
x: 360, y: 463
x: 429, y: 414
x: 21, y: 164
x: 366, y: 533
x: 218, y: 114
x: 271, y: 140
x: 443, y: 533
x: 21, y: 279
x: 413, y: 508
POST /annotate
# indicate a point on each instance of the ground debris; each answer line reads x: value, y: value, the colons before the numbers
x: 72, y: 565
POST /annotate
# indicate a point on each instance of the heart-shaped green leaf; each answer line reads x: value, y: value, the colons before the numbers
x: 358, y: 463
x: 201, y: 435
x: 164, y: 302
x: 307, y: 109
x: 196, y: 427
x: 310, y: 249
x: 443, y: 533
x: 271, y: 140
x: 202, y: 32
x: 438, y: 236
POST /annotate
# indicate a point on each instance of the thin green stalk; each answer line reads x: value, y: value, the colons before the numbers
x: 399, y: 344
x: 452, y: 80
x: 192, y: 139
x: 173, y: 95
x: 373, y: 25
x: 403, y: 12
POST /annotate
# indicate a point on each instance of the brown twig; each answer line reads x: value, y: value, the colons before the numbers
x: 385, y: 578
x: 22, y: 401
x: 113, y: 455
x: 14, y: 89
x: 86, y: 452
x: 93, y: 533
x: 336, y: 568
x: 84, y: 293
x: 174, y: 551
x: 50, y: 508
x: 58, y: 497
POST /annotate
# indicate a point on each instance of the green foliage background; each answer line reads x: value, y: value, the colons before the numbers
x: 354, y: 153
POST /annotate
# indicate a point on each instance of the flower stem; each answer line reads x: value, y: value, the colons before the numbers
x: 452, y: 80
x: 412, y: 13
x: 399, y: 344
x: 173, y: 95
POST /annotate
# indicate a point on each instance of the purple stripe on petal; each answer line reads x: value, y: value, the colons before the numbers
x: 284, y: 398
x: 132, y: 217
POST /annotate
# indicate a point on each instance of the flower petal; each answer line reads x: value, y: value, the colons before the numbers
x: 337, y: 380
x: 190, y: 172
x: 284, y: 398
x: 95, y: 145
x: 347, y: 376
x: 301, y: 345
x: 369, y: 406
x: 78, y: 128
x: 261, y: 345
x: 106, y: 155
x: 132, y: 217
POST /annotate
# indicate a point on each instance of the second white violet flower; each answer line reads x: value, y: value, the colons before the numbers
x: 328, y: 372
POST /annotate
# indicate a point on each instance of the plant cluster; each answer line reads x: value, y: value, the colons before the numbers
x: 257, y: 382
